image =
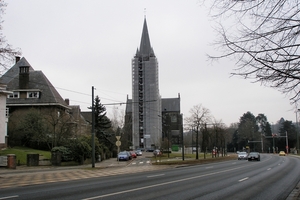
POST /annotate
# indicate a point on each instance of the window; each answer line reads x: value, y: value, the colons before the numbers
x: 174, y: 118
x: 14, y: 95
x: 32, y: 94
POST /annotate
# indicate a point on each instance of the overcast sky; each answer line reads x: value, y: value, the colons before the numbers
x: 79, y: 44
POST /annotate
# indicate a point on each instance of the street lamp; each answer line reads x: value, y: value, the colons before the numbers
x: 297, y: 132
x: 93, y: 129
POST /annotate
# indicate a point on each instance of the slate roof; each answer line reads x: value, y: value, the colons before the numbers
x: 87, y: 116
x: 128, y: 106
x: 13, y: 72
x: 170, y: 104
x: 167, y: 104
x: 37, y: 82
x: 145, y: 46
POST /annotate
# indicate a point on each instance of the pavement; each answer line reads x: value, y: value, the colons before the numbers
x: 24, y: 175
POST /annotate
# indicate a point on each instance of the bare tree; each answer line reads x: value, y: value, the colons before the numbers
x: 199, y: 115
x: 263, y: 39
x: 117, y: 119
x: 219, y: 135
x: 7, y: 52
x: 60, y: 126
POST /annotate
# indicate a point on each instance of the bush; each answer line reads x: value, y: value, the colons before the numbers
x: 66, y: 153
x: 81, y: 150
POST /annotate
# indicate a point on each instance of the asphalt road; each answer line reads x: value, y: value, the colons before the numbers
x: 273, y: 177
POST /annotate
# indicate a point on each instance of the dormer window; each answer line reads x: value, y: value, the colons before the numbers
x: 33, y: 94
x: 15, y: 95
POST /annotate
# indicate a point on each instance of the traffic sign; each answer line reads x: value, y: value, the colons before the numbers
x: 118, y: 143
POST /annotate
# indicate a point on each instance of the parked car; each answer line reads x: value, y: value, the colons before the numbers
x: 281, y: 153
x: 157, y: 152
x: 133, y: 154
x: 254, y: 156
x: 242, y: 155
x: 124, y: 155
x: 139, y: 152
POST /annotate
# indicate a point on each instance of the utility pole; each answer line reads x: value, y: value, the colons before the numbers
x: 181, y: 129
x: 197, y: 146
x: 93, y: 129
x: 287, y: 143
x: 297, y: 134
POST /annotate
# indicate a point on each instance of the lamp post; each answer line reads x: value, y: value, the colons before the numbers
x: 168, y: 132
x: 297, y: 132
x: 197, y: 133
x: 181, y: 129
x: 93, y: 129
x: 287, y: 143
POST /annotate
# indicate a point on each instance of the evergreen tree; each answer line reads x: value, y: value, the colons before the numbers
x: 247, y: 130
x: 102, y: 122
x: 289, y: 129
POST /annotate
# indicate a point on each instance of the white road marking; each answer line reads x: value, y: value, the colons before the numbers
x: 155, y: 175
x: 160, y: 184
x: 9, y: 197
x: 243, y: 179
x: 269, y: 169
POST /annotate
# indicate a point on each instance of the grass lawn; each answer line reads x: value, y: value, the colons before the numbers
x: 21, y: 153
x: 189, y: 159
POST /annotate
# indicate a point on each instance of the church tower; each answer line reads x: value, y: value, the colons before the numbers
x: 146, y: 100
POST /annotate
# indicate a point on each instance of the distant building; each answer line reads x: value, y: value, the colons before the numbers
x: 146, y: 113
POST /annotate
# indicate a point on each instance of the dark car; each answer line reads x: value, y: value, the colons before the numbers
x: 124, y: 155
x: 254, y: 156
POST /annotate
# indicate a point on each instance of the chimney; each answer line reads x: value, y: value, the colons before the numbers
x: 24, y: 77
x: 17, y: 59
x: 67, y: 101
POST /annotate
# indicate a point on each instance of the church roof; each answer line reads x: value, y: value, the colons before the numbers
x: 167, y: 105
x: 170, y: 104
x: 145, y: 46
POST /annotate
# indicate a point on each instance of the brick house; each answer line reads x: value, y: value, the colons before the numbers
x: 31, y: 91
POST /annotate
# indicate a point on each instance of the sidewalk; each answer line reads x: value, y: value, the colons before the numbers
x: 109, y: 163
x: 23, y: 175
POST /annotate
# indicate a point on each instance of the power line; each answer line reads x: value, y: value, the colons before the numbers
x: 59, y: 88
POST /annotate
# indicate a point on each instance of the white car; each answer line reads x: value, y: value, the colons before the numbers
x: 139, y: 152
x: 157, y: 152
x: 242, y: 155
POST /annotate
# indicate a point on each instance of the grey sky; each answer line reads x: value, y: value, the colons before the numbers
x: 80, y: 44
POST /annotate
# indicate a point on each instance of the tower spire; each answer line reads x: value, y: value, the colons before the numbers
x: 145, y: 46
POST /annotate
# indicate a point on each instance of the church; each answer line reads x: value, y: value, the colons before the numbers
x: 151, y: 121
